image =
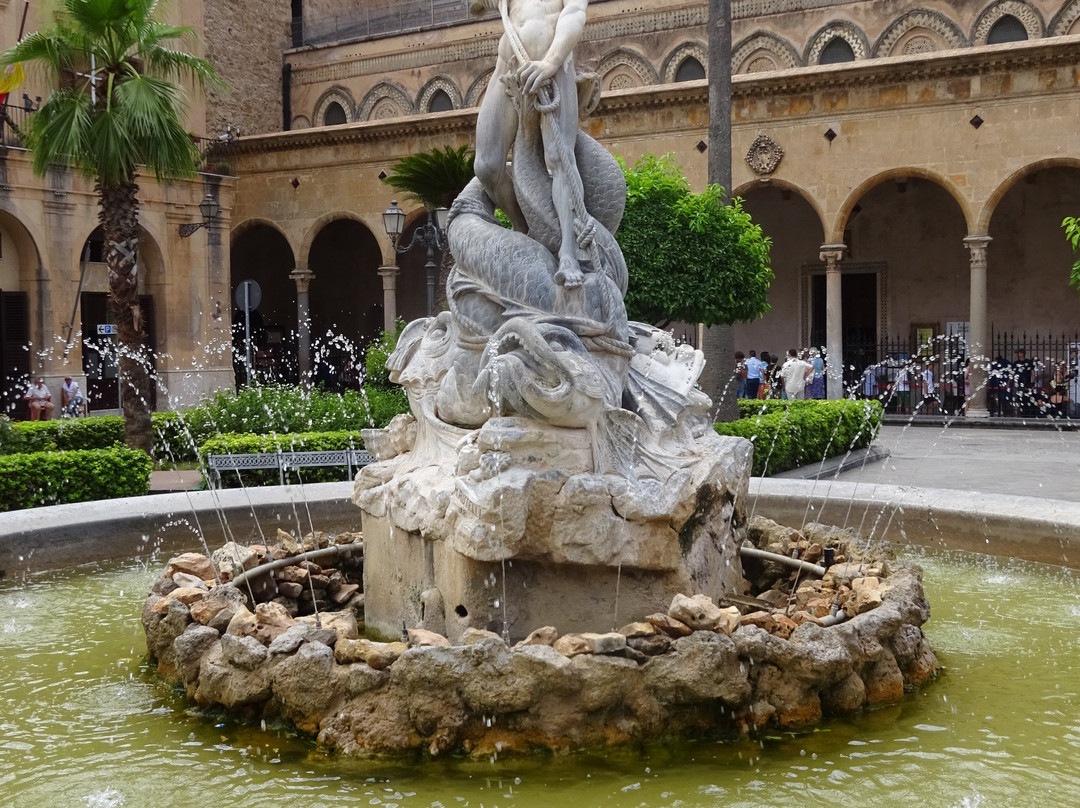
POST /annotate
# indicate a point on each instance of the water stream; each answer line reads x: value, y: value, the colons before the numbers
x: 84, y: 723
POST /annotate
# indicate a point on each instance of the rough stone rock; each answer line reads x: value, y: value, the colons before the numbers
x: 289, y: 589
x: 163, y: 586
x: 642, y: 629
x: 590, y: 643
x: 243, y: 624
x: 669, y: 625
x: 846, y: 696
x: 884, y: 681
x: 245, y: 653
x: 185, y: 594
x: 232, y: 559
x: 842, y: 574
x: 570, y: 645
x: 220, y: 597
x: 420, y: 638
x: 378, y: 655
x: 701, y: 614
x: 320, y: 583
x: 650, y: 645
x: 343, y: 593
x: 867, y: 595
x: 343, y: 624
x: 801, y: 617
x: 274, y: 615
x: 184, y: 579
x: 304, y: 684
x: 313, y: 541
x: 296, y: 635
x: 221, y: 683
x: 359, y: 678
x: 541, y: 636
x: 191, y: 563
x: 819, y: 607
x: 813, y: 553
x: 774, y: 597
x: 292, y: 574
x: 471, y: 636
x: 287, y: 542
x: 701, y: 667
x: 189, y: 649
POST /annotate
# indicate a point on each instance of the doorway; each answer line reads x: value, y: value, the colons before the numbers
x: 100, y: 359
x: 861, y: 290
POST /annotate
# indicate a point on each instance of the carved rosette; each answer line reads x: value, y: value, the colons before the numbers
x: 764, y: 155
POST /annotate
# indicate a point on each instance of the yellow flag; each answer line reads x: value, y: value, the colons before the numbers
x: 11, y: 78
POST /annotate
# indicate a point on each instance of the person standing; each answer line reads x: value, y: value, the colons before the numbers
x: 40, y: 400
x: 816, y: 388
x: 903, y: 391
x: 796, y: 373
x: 929, y: 400
x: 740, y: 374
x: 754, y: 367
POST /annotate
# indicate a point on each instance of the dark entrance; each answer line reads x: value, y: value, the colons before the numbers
x: 859, y: 312
x: 99, y: 350
x: 14, y: 358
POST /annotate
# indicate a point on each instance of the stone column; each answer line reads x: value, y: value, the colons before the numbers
x: 831, y: 254
x: 303, y: 276
x: 978, y: 341
x: 389, y: 275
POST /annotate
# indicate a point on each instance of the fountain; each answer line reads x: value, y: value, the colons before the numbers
x: 556, y: 549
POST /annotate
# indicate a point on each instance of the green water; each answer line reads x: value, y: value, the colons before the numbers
x: 82, y: 723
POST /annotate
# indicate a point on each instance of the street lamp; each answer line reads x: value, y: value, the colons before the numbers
x: 209, y: 208
x: 431, y: 235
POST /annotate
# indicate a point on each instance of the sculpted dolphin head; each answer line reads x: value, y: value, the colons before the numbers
x: 543, y: 370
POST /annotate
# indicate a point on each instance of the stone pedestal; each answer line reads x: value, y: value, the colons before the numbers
x: 508, y: 541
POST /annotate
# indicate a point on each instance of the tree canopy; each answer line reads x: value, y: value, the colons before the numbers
x: 1072, y: 234
x: 690, y: 257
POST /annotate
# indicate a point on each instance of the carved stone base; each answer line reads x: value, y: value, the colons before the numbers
x: 513, y: 549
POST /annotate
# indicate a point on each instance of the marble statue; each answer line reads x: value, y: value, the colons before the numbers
x: 546, y: 428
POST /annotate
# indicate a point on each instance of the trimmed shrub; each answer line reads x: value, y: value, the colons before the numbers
x: 57, y: 477
x: 790, y: 434
x: 270, y: 444
x: 376, y: 355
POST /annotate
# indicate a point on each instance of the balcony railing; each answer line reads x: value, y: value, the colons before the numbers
x: 12, y: 120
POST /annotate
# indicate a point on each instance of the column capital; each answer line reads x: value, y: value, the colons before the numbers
x: 389, y: 270
x: 977, y: 245
x: 831, y: 254
x: 302, y: 277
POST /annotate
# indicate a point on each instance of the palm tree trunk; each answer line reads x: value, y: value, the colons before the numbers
x: 119, y: 216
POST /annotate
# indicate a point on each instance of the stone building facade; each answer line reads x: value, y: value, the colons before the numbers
x: 911, y: 161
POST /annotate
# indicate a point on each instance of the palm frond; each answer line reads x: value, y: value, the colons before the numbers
x: 433, y: 178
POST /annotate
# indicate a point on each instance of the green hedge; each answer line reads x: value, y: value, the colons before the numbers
x: 270, y: 444
x: 790, y: 434
x: 56, y: 477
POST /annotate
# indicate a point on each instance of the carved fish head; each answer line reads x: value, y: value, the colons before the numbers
x: 543, y: 370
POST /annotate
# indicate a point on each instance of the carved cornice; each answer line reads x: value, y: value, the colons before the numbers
x: 615, y: 28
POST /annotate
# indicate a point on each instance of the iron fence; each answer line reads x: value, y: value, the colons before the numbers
x: 1028, y: 376
x: 13, y: 119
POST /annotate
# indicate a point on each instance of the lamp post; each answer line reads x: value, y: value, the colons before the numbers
x: 209, y: 208
x: 431, y: 235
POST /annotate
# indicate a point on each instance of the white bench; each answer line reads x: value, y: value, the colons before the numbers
x: 350, y: 459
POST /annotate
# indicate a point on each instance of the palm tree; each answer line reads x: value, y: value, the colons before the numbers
x: 118, y: 107
x: 434, y: 179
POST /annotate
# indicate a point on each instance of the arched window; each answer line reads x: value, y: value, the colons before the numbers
x: 334, y: 115
x: 690, y: 70
x: 838, y: 50
x: 440, y: 102
x: 1007, y: 29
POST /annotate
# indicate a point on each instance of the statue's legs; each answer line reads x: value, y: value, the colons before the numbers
x: 496, y: 126
x: 559, y: 128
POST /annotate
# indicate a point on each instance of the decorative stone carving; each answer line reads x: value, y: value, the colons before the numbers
x: 386, y: 99
x: 920, y: 23
x: 919, y: 44
x: 626, y: 62
x: 423, y: 99
x: 550, y: 431
x: 1023, y: 11
x: 1064, y: 22
x: 340, y: 96
x: 764, y: 155
x: 763, y: 46
x: 697, y: 50
x: 845, y: 30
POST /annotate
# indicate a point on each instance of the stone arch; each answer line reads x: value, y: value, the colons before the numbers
x: 903, y: 36
x: 835, y: 231
x: 345, y: 294
x: 387, y: 99
x: 1065, y: 20
x: 625, y: 67
x: 304, y: 253
x: 477, y: 88
x: 846, y: 31
x: 763, y: 45
x: 335, y: 95
x: 695, y: 49
x: 982, y: 224
x: 773, y: 182
x: 25, y: 245
x: 248, y: 224
x: 300, y: 122
x: 428, y: 91
x: 150, y: 259
x: 1025, y: 12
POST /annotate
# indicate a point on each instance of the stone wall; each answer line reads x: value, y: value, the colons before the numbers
x: 245, y: 41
